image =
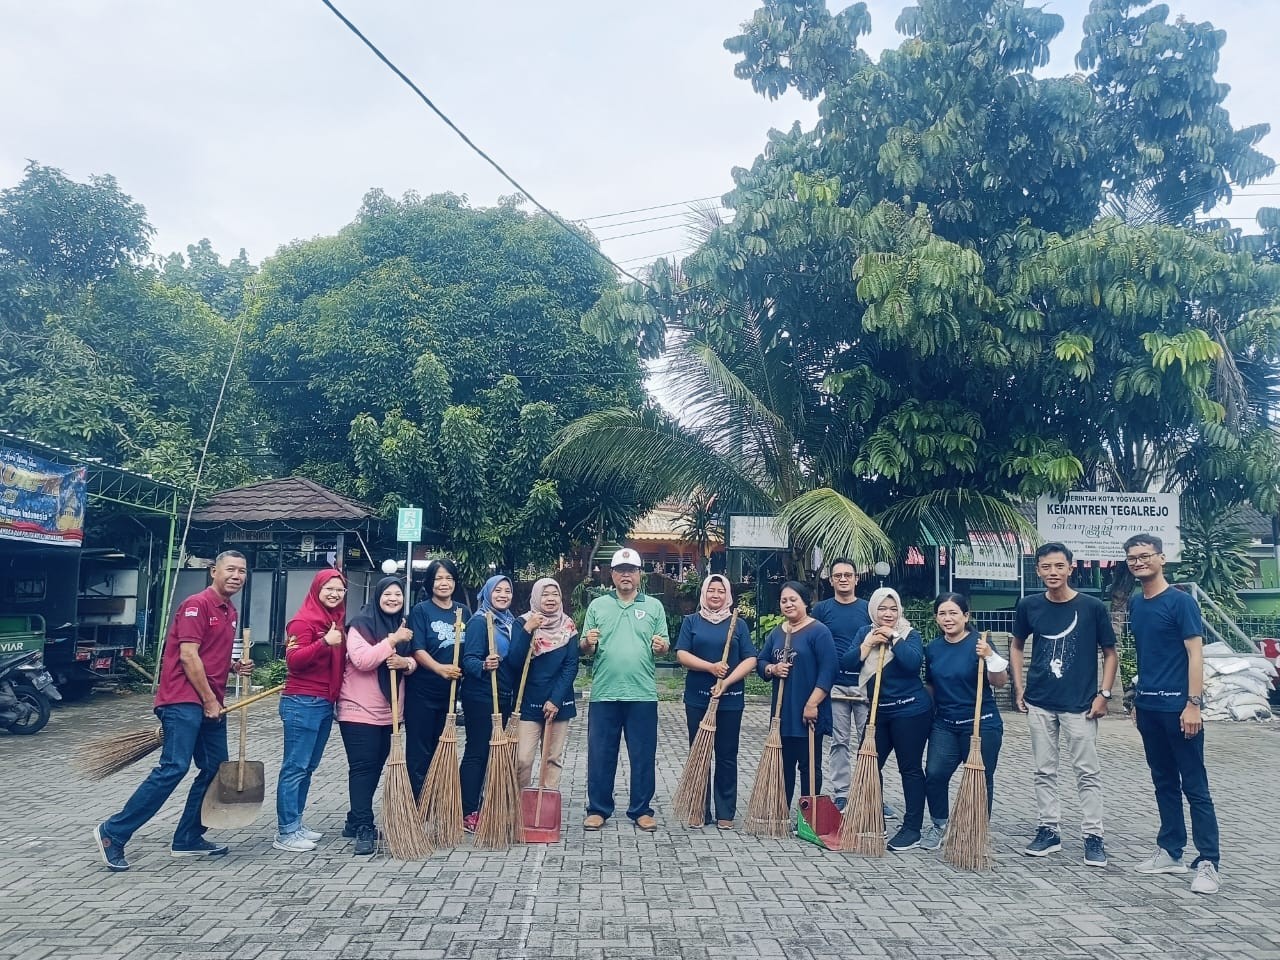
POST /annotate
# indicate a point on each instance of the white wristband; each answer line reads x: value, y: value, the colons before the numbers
x: 996, y: 663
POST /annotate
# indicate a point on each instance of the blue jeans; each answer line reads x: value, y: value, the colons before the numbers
x: 307, y: 722
x: 948, y: 748
x: 1177, y: 767
x: 607, y: 722
x: 188, y: 737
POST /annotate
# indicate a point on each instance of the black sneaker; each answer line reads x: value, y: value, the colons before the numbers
x: 904, y: 839
x: 366, y: 841
x: 201, y: 848
x: 349, y: 830
x: 1046, y: 841
x: 1095, y: 854
x: 112, y: 853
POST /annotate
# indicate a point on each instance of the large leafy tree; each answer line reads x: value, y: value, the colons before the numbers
x: 97, y: 353
x: 968, y: 284
x: 429, y: 353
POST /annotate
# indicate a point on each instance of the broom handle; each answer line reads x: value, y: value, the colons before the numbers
x: 457, y: 647
x: 493, y: 674
x: 977, y: 702
x: 524, y: 675
x: 875, y: 697
x: 249, y: 701
x: 728, y: 641
x: 782, y: 681
x: 395, y: 702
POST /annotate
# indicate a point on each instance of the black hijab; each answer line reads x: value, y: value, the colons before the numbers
x: 374, y: 625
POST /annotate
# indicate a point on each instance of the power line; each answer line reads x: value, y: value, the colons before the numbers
x: 470, y: 143
x: 659, y: 206
x: 666, y: 216
x: 641, y: 233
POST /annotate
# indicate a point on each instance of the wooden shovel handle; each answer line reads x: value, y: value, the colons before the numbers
x: 813, y: 776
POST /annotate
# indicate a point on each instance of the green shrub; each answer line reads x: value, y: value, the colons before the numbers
x: 270, y: 674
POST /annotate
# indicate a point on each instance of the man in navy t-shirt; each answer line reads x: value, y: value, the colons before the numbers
x: 844, y: 615
x: 1062, y: 698
x: 1168, y: 633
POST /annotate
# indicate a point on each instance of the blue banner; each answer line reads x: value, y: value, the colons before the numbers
x: 40, y: 502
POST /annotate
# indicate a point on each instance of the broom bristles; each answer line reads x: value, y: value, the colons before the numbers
x: 767, y: 811
x: 440, y: 805
x: 862, y: 827
x: 99, y: 759
x: 968, y: 842
x: 690, y: 800
x: 402, y: 829
x: 499, y: 825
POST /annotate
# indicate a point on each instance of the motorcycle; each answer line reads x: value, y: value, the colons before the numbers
x: 26, y: 689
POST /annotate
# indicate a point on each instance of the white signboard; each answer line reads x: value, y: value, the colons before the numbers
x: 757, y: 533
x: 985, y: 561
x: 1095, y: 525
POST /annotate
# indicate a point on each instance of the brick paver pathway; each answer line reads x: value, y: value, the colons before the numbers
x: 620, y: 893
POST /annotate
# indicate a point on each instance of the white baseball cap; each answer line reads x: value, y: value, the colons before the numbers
x: 626, y: 557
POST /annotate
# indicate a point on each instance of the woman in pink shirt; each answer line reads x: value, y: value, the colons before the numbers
x: 377, y: 643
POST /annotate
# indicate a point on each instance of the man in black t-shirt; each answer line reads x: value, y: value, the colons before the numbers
x: 1062, y: 698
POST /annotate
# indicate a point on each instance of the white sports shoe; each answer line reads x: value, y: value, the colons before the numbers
x: 309, y: 834
x: 293, y: 842
x: 1161, y: 862
x: 1206, y: 879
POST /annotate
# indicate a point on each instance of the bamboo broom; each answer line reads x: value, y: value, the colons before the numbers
x: 768, y: 808
x: 967, y: 845
x: 862, y: 828
x: 499, y: 825
x: 441, y: 802
x: 403, y: 831
x: 99, y: 759
x: 690, y: 801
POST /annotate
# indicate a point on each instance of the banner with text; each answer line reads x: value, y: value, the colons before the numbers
x: 40, y: 502
x: 1096, y: 525
x: 986, y: 560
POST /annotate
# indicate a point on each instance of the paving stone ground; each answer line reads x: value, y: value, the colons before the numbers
x: 620, y: 894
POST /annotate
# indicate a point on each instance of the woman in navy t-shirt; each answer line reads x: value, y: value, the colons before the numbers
x: 951, y: 670
x: 700, y: 649
x: 904, y: 713
x: 810, y: 669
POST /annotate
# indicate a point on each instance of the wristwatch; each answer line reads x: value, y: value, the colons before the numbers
x: 1105, y: 694
x: 1197, y: 701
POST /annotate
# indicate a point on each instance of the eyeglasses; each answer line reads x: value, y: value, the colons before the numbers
x: 842, y: 576
x: 1140, y: 558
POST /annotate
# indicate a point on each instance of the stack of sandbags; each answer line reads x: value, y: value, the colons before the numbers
x: 1236, y: 686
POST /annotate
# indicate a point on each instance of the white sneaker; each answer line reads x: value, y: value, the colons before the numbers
x: 308, y: 834
x: 1161, y: 862
x: 1206, y: 879
x: 293, y: 842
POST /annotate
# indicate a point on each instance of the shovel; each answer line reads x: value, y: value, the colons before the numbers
x: 541, y: 809
x: 819, y: 820
x: 234, y: 799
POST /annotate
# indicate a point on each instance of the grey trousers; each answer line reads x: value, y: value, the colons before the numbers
x: 849, y: 721
x: 1050, y: 732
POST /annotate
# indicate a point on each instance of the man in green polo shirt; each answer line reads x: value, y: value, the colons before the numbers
x: 624, y: 631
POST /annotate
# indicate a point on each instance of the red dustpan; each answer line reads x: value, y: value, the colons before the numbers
x: 819, y: 810
x: 541, y: 808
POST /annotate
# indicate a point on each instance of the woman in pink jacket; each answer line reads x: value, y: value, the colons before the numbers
x: 377, y: 643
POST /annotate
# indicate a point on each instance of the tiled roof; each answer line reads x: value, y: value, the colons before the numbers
x: 287, y: 499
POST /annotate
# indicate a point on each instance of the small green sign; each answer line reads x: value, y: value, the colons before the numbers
x: 409, y: 525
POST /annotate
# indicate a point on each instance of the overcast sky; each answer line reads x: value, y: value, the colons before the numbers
x: 256, y: 122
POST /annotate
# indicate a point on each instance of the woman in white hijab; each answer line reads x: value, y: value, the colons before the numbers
x: 905, y: 713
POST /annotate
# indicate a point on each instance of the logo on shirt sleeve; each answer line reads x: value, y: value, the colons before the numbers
x: 191, y: 612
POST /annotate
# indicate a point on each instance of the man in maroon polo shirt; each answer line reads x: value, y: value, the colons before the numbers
x: 189, y: 698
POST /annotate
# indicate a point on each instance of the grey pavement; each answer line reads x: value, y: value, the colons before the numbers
x: 621, y: 893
